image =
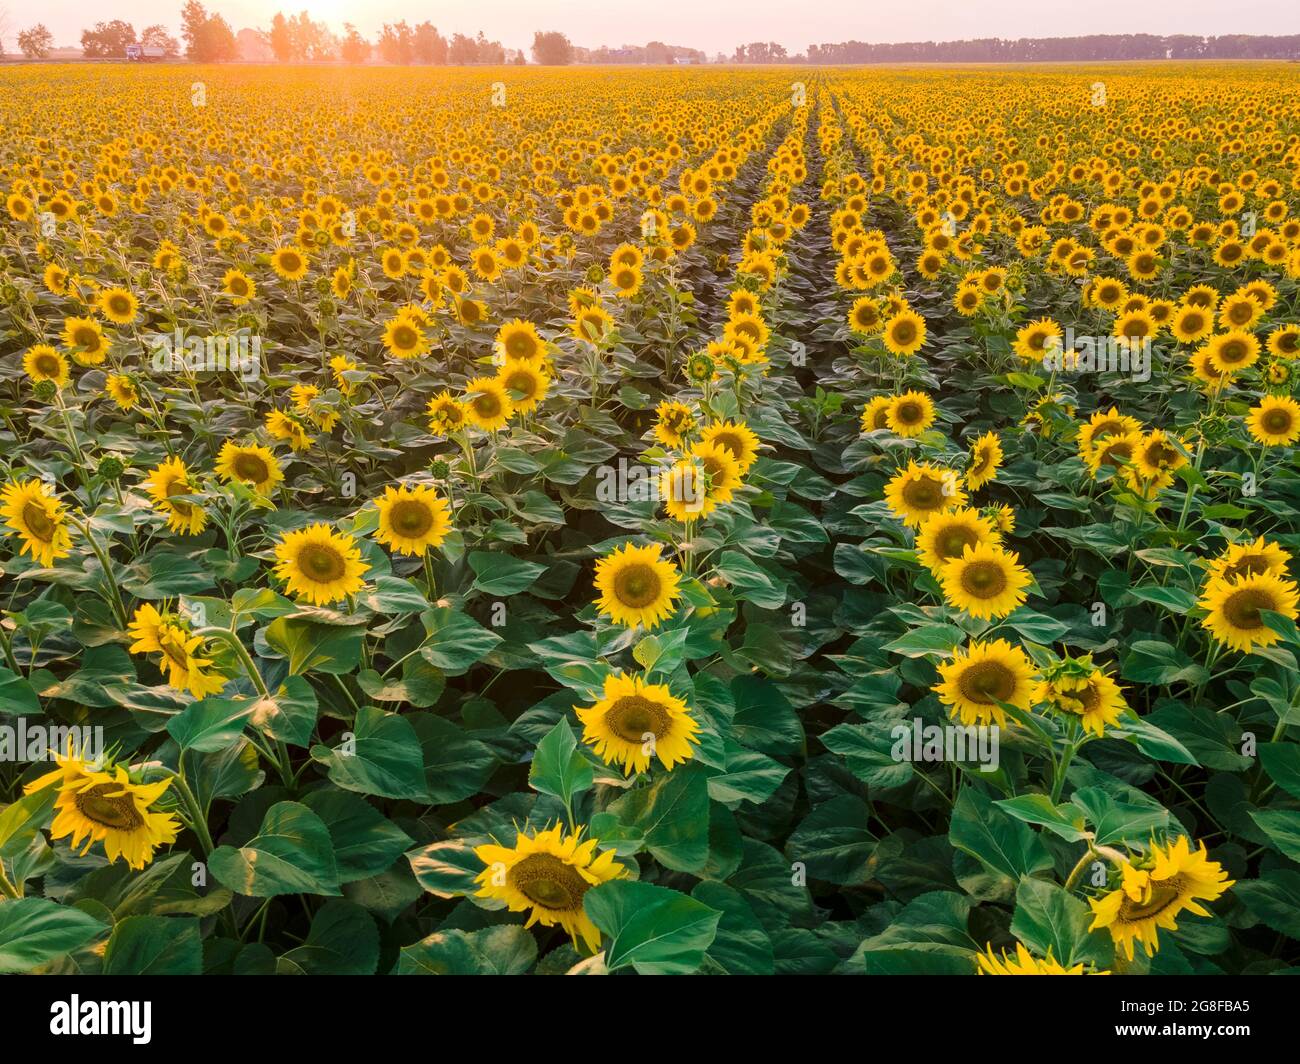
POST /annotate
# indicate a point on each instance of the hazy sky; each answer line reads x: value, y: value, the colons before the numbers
x: 714, y: 25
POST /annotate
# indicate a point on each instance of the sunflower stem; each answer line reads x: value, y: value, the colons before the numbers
x: 193, y: 813
x: 233, y: 641
x: 115, y: 600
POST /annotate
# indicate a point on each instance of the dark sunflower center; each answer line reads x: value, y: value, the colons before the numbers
x: 250, y: 467
x: 633, y: 717
x: 983, y: 580
x: 637, y: 586
x: 987, y: 682
x: 1233, y: 351
x: 112, y: 812
x: 924, y: 493
x: 522, y: 382
x: 1240, y: 313
x: 1163, y: 895
x: 1242, y: 608
x: 178, y: 487
x: 521, y: 346
x: 1247, y: 564
x: 904, y: 332
x: 85, y: 337
x: 119, y: 305
x: 487, y: 405
x: 47, y: 365
x: 909, y: 413
x: 404, y: 337
x: 411, y: 518
x: 547, y: 881
x: 38, y: 521
x: 321, y: 562
x: 1116, y: 451
x: 952, y: 542
x: 1276, y: 421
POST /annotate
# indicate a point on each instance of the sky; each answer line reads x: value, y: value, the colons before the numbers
x: 712, y: 25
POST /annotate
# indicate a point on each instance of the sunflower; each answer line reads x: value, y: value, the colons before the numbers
x: 36, y: 516
x: 1232, y: 351
x: 412, y: 519
x: 548, y: 873
x: 319, y: 564
x: 118, y: 305
x: 447, y: 414
x: 1156, y: 455
x: 85, y: 337
x: 981, y: 677
x: 290, y: 264
x: 636, y: 721
x: 673, y: 423
x: 986, y: 581
x: 252, y: 464
x: 875, y: 413
x: 985, y: 461
x: 636, y: 586
x: 288, y: 427
x: 1025, y: 963
x: 1284, y: 342
x: 168, y: 635
x: 404, y: 338
x: 1153, y: 892
x: 1243, y: 559
x: 488, y: 405
x: 737, y: 438
x: 1036, y: 339
x: 721, y: 468
x: 106, y: 806
x: 239, y: 286
x: 865, y: 317
x: 519, y: 339
x: 1077, y: 687
x: 1275, y: 420
x: 1233, y: 606
x: 165, y: 483
x: 592, y: 323
x: 526, y: 383
x: 44, y: 363
x: 683, y: 487
x: 122, y: 390
x: 910, y: 414
x: 904, y: 333
x: 944, y: 536
x: 918, y: 491
x: 1112, y: 451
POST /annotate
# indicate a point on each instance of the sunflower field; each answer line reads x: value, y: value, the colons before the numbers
x: 653, y: 521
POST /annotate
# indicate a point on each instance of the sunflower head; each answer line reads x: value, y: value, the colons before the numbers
x: 1235, y: 606
x: 1154, y: 890
x: 637, y: 721
x: 412, y: 519
x: 981, y: 678
x: 636, y: 586
x: 546, y: 874
x: 32, y: 512
x: 320, y: 565
x: 922, y: 489
x: 986, y: 581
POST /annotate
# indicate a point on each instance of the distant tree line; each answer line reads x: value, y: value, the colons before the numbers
x: 1051, y: 49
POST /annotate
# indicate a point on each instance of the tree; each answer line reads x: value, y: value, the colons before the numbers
x: 35, y: 43
x: 429, y: 45
x: 208, y: 38
x: 355, y: 48
x: 489, y: 52
x: 108, y: 40
x: 658, y: 52
x: 462, y: 50
x: 552, y: 49
x: 280, y: 38
x: 156, y: 36
x: 397, y: 43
